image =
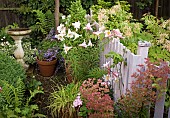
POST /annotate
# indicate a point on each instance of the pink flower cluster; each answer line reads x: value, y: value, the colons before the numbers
x: 97, y: 99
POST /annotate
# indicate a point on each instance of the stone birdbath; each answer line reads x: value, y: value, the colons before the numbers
x: 17, y: 34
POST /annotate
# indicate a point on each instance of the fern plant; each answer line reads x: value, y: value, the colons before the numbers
x: 44, y: 22
x: 12, y: 101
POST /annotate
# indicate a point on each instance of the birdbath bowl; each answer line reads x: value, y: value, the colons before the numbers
x: 17, y: 34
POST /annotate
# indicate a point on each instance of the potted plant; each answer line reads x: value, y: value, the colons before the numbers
x: 47, y: 55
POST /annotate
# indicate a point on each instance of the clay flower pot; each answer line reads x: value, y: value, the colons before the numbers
x: 47, y: 68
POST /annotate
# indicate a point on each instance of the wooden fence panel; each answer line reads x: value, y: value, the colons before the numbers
x: 163, y: 9
x: 126, y: 68
x: 132, y: 62
x: 8, y: 13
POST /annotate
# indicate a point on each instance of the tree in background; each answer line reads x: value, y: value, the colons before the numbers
x: 57, y: 6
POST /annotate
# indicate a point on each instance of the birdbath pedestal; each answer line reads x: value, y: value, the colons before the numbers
x: 17, y: 34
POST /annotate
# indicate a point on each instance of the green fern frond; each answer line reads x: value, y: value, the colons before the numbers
x: 11, y: 94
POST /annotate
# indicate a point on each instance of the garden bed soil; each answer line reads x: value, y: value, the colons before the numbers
x: 49, y: 85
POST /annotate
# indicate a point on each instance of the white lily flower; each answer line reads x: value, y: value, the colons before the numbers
x: 63, y: 31
x: 60, y: 37
x: 7, y: 43
x: 106, y: 64
x: 63, y: 17
x: 83, y: 44
x: 60, y: 28
x: 88, y: 27
x: 90, y: 43
x: 66, y: 48
x: 70, y: 34
x: 2, y: 44
x: 108, y: 33
x: 76, y: 25
x: 76, y: 35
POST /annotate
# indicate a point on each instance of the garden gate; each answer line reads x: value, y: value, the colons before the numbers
x: 128, y: 68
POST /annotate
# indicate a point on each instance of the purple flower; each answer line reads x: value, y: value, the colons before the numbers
x: 0, y: 89
x: 77, y: 102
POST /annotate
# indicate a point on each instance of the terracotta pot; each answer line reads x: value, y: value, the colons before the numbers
x: 47, y: 68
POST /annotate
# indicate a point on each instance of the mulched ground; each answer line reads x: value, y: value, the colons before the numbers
x: 48, y: 84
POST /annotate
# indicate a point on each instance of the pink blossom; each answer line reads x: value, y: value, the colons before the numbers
x: 97, y: 33
x: 117, y: 33
x: 77, y: 102
x: 0, y: 89
x: 88, y: 27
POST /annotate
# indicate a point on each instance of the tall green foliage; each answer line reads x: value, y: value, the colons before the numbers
x: 10, y: 69
x: 39, y: 15
x: 80, y: 59
x: 61, y: 101
x: 13, y: 103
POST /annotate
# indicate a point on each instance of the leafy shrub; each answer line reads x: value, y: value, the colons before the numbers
x: 143, y: 90
x: 61, y: 100
x: 96, y: 73
x: 13, y: 102
x: 10, y: 69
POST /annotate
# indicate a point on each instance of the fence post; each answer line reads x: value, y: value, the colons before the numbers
x: 143, y: 47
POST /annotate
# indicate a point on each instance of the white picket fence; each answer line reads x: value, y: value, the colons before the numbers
x: 132, y: 62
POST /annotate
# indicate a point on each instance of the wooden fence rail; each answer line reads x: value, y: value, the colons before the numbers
x: 126, y: 70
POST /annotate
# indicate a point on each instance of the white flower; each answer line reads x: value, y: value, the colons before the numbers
x: 83, y: 44
x: 63, y: 31
x: 106, y: 64
x: 60, y: 37
x: 2, y: 44
x: 7, y: 43
x: 76, y: 25
x: 4, y: 37
x: 66, y: 48
x: 60, y: 28
x: 70, y: 34
x: 63, y: 17
x: 90, y: 43
x: 76, y: 35
x: 88, y: 27
x: 108, y: 33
